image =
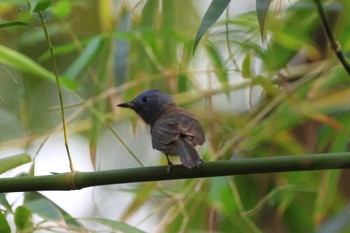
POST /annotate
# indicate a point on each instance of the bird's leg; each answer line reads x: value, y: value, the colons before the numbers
x: 199, y: 162
x: 169, y: 163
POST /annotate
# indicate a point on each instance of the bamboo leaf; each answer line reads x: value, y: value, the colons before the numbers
x: 22, y: 218
x: 246, y: 66
x: 4, y: 225
x: 13, y: 161
x: 22, y: 62
x: 116, y: 225
x: 13, y: 24
x: 62, y: 9
x: 326, y: 195
x: 4, y: 202
x: 39, y: 5
x: 214, y: 11
x: 42, y: 206
x: 86, y: 57
x: 48, y: 210
x: 218, y: 62
x: 262, y: 6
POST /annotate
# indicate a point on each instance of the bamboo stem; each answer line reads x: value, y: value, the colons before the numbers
x: 79, y: 180
x: 65, y: 133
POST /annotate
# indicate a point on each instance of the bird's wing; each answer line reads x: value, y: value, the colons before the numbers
x: 172, y: 124
x: 165, y: 131
x: 189, y: 126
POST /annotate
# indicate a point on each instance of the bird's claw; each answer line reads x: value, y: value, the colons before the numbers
x: 170, y: 164
x: 199, y: 162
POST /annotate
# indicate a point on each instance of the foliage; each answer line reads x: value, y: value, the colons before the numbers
x: 296, y: 101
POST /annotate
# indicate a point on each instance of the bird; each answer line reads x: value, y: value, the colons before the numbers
x: 174, y: 130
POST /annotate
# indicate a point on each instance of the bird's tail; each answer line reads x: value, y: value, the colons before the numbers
x: 188, y: 155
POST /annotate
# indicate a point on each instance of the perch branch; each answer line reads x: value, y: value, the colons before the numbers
x: 79, y: 180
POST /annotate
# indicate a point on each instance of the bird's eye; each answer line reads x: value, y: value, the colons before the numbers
x: 145, y: 99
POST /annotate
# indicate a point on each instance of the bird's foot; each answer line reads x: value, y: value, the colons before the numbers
x: 169, y: 167
x: 169, y: 164
x: 199, y: 162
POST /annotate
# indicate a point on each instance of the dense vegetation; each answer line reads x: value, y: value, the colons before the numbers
x: 263, y: 83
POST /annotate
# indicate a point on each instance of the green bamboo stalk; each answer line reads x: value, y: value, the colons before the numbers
x: 79, y: 180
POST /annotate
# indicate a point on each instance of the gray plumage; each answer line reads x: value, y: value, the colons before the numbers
x: 174, y: 131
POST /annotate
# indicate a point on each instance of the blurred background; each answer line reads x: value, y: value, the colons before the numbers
x: 261, y: 83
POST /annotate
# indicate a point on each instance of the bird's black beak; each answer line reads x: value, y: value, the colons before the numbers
x: 131, y: 105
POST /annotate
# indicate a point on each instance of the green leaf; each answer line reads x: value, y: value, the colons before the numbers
x: 13, y: 161
x: 62, y: 9
x: 23, y: 218
x: 116, y: 225
x: 86, y: 57
x: 4, y: 225
x: 219, y: 195
x: 4, y: 202
x: 12, y: 24
x: 45, y: 208
x: 59, y: 50
x: 326, y: 195
x: 246, y: 65
x: 22, y: 62
x: 39, y: 5
x: 42, y: 207
x: 182, y: 83
x: 262, y: 6
x: 214, y: 11
x: 218, y: 62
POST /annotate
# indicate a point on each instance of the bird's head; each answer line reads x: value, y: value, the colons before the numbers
x: 150, y: 104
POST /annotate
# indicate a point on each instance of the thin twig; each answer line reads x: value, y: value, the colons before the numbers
x: 334, y: 44
x: 260, y: 115
x: 59, y: 92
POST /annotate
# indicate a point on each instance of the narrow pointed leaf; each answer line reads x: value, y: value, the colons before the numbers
x: 20, y: 61
x: 86, y: 57
x: 13, y: 161
x: 218, y: 63
x: 45, y: 208
x: 214, y: 11
x: 262, y: 6
x: 116, y: 225
x: 39, y: 5
x: 12, y: 24
x: 4, y: 225
x: 246, y: 66
x: 121, y: 54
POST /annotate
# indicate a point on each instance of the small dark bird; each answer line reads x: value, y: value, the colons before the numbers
x: 174, y: 131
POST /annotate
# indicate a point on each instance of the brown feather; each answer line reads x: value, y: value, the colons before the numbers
x: 171, y: 124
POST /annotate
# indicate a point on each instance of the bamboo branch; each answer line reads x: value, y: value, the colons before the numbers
x: 334, y: 44
x: 79, y: 180
x: 65, y: 133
